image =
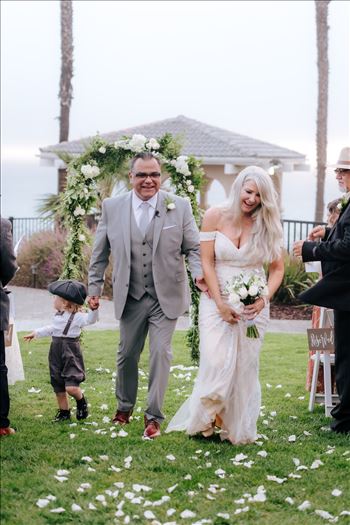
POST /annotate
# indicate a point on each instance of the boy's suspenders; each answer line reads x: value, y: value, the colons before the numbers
x: 69, y: 322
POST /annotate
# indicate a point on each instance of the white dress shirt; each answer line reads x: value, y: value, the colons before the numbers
x: 137, y: 209
x: 59, y: 323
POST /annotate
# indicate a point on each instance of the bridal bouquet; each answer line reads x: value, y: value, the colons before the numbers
x: 244, y: 289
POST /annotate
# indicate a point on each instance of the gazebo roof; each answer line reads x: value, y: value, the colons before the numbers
x: 211, y: 144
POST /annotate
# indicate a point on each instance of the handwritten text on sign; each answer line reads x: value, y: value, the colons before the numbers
x: 321, y: 339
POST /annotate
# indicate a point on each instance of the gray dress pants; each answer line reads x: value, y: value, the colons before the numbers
x: 139, y: 318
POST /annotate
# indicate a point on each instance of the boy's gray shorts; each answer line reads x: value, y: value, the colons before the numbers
x: 66, y: 363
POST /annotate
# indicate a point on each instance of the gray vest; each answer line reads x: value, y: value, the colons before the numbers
x: 141, y: 277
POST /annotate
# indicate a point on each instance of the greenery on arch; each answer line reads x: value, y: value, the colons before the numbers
x: 101, y: 161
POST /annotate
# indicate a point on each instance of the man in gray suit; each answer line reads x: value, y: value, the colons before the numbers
x: 148, y: 238
x: 8, y: 269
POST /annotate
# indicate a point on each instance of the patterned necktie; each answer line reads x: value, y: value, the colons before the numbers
x: 144, y: 219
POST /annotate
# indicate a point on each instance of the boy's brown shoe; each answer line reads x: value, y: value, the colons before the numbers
x: 122, y: 418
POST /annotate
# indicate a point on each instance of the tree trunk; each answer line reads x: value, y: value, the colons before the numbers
x: 66, y: 89
x: 322, y: 103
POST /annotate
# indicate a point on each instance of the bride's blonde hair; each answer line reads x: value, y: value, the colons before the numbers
x: 267, y: 233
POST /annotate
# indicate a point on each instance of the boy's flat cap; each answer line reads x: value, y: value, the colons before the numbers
x: 69, y: 289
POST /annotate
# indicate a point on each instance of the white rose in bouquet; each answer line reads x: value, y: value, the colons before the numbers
x: 253, y: 290
x: 243, y: 292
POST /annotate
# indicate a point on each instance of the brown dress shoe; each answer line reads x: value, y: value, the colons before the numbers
x: 152, y: 428
x: 7, y: 431
x: 122, y: 418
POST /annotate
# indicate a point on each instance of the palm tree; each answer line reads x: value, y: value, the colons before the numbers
x: 322, y: 103
x: 66, y: 89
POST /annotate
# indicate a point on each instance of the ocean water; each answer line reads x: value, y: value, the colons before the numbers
x: 25, y: 183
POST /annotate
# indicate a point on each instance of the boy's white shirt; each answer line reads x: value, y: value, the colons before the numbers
x: 59, y: 323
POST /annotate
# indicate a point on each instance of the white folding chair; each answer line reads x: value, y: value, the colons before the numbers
x: 327, y: 359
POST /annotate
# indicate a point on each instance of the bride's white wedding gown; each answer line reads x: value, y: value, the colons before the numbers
x: 227, y: 384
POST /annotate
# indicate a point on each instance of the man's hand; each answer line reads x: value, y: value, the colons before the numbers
x: 29, y: 337
x: 317, y: 233
x: 93, y: 302
x: 297, y: 248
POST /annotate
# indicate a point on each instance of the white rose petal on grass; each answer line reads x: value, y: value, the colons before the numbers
x: 336, y: 493
x: 42, y: 503
x: 296, y: 462
x: 188, y: 476
x: 170, y: 457
x: 87, y: 459
x: 187, y: 514
x: 103, y: 457
x: 289, y: 500
x: 102, y: 150
x: 91, y: 506
x: 34, y: 390
x: 122, y: 433
x: 62, y: 472
x: 61, y: 479
x: 305, y: 505
x: 292, y: 438
x: 149, y: 515
x: 220, y: 473
x: 262, y: 453
x: 141, y: 488
x: 72, y: 436
x: 239, y: 511
x: 113, y: 435
x: 276, y: 479
x: 85, y: 486
x: 58, y: 510
x: 171, y: 489
x: 170, y: 512
x: 316, y: 464
x: 76, y: 508
x: 223, y: 515
x: 324, y: 514
x: 239, y: 457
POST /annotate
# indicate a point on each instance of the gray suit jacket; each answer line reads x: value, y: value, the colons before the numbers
x: 175, y: 236
x: 8, y: 269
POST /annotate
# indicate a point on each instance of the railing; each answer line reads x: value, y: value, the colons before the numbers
x: 296, y: 231
x: 26, y: 226
x: 293, y: 230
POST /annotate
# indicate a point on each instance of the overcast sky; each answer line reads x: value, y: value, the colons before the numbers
x: 247, y: 66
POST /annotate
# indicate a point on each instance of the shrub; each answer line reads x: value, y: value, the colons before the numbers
x: 295, y: 281
x: 45, y: 250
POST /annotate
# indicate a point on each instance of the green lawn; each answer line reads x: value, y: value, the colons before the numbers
x: 31, y: 459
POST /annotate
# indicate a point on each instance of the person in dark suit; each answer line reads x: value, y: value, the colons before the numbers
x: 331, y: 246
x: 8, y: 269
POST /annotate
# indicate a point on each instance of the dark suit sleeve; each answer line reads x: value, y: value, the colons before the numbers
x: 337, y: 250
x: 8, y: 265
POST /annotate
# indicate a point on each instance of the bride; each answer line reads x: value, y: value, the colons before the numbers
x: 237, y: 237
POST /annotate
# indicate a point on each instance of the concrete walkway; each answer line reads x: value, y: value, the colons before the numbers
x: 34, y: 308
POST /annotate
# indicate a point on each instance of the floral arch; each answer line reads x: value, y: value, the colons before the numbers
x: 102, y: 160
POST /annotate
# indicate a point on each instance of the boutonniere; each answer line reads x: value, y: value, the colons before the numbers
x: 169, y: 204
x: 343, y: 202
